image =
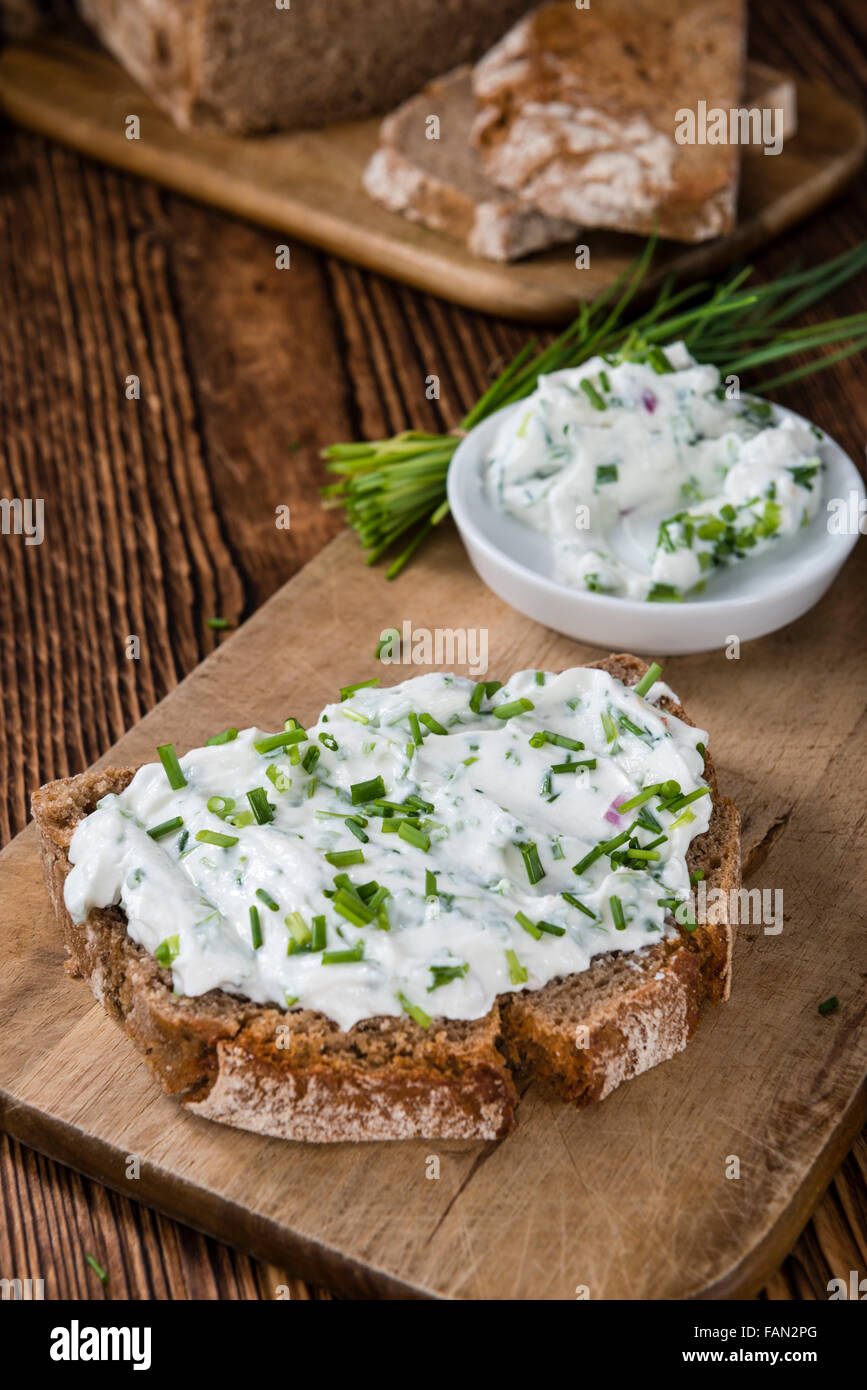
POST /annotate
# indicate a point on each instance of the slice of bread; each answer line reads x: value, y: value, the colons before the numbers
x: 297, y: 1075
x: 578, y: 113
x: 442, y: 182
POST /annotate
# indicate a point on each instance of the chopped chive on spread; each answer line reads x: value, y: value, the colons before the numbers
x: 417, y: 1014
x: 417, y: 735
x: 573, y: 767
x: 540, y: 677
x: 430, y: 883
x: 664, y: 593
x: 605, y: 847
x: 543, y: 736
x: 97, y: 1269
x: 658, y: 361
x: 221, y: 805
x: 700, y: 748
x: 433, y: 724
x: 279, y: 781
x: 512, y: 708
x: 606, y: 473
x: 367, y: 791
x: 355, y: 715
x: 267, y: 899
x: 517, y: 972
x: 477, y: 697
x: 343, y: 957
x: 318, y: 934
x: 311, y: 758
x: 290, y: 998
x: 166, y: 827
x: 340, y: 858
x: 592, y: 395
x: 650, y: 677
x: 260, y: 805
x: 329, y: 741
x: 550, y: 928
x: 679, y: 801
x: 213, y: 837
x: 576, y: 902
x: 523, y: 921
x: 227, y: 736
x: 617, y: 912
x: 608, y: 726
x: 413, y: 835
x: 532, y: 862
x: 167, y: 951
x: 255, y: 928
x: 347, y: 690
x: 653, y: 790
x: 169, y: 759
x: 284, y: 740
x: 299, y: 932
x: 356, y: 825
x: 444, y: 974
x: 829, y: 1006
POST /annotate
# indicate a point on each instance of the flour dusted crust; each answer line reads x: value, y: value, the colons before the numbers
x: 577, y: 113
x: 298, y: 1076
x: 442, y: 183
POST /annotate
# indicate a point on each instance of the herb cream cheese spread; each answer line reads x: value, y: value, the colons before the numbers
x: 646, y: 477
x: 421, y: 848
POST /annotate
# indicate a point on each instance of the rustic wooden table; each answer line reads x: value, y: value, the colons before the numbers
x: 246, y: 372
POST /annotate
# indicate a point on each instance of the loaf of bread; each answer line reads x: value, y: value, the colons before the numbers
x: 243, y: 66
x: 300, y: 1076
x: 578, y: 113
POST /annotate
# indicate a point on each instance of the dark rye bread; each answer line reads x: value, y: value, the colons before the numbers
x: 249, y: 65
x: 299, y: 1076
x: 442, y: 183
x: 578, y: 113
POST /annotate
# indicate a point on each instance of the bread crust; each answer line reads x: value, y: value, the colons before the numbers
x: 577, y: 113
x: 299, y: 1076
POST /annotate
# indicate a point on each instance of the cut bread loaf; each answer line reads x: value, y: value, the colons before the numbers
x: 442, y: 183
x: 238, y: 66
x: 578, y: 112
x: 297, y: 1075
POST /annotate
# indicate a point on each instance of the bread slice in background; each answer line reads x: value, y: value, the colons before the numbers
x: 577, y: 113
x: 442, y: 183
x: 297, y: 1075
x: 245, y: 65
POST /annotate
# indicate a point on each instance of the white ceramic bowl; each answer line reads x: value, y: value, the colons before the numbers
x: 745, y: 600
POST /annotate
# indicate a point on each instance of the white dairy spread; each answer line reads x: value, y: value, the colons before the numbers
x: 646, y: 478
x: 488, y: 823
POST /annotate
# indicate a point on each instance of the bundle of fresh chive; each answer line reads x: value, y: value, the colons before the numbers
x: 393, y: 491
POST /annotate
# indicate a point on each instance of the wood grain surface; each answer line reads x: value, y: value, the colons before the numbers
x: 245, y: 372
x: 309, y: 184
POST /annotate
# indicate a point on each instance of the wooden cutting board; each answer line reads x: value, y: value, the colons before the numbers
x: 629, y: 1198
x: 308, y: 184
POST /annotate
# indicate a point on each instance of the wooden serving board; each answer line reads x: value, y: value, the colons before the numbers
x: 308, y: 184
x: 629, y: 1198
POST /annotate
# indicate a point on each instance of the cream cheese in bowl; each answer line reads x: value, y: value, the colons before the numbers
x: 645, y: 478
x: 635, y: 506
